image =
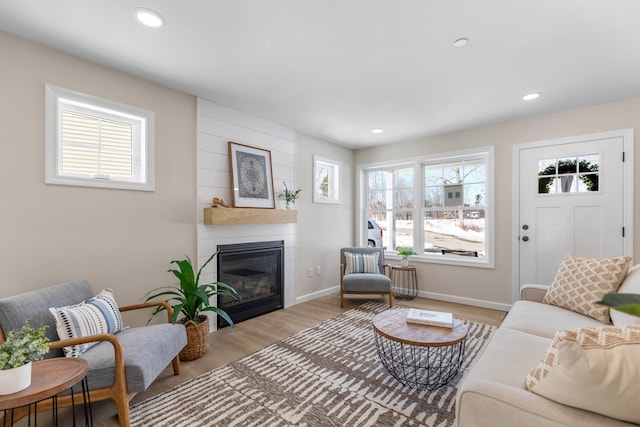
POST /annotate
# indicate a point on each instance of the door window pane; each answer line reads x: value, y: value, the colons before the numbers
x: 577, y: 174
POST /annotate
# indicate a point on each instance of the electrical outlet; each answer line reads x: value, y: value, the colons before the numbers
x: 310, y: 271
x: 317, y: 270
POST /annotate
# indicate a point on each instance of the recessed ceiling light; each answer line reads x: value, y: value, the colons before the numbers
x: 148, y: 17
x: 461, y: 42
x: 530, y: 96
x: 378, y: 130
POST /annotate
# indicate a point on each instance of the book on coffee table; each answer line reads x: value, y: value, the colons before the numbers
x: 428, y: 317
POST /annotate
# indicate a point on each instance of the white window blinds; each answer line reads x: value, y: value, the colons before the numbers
x: 96, y: 147
x: 98, y: 143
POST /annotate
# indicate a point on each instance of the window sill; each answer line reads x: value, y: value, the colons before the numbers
x: 456, y: 260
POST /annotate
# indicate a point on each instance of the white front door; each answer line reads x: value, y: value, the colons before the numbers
x: 571, y: 200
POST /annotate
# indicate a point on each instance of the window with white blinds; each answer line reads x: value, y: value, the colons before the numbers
x: 98, y: 143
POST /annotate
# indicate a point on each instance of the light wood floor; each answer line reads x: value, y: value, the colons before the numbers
x: 251, y: 335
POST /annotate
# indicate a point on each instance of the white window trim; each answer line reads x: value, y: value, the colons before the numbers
x: 335, y: 180
x: 53, y: 96
x: 488, y: 261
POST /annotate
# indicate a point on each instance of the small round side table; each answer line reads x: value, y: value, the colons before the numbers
x: 404, y: 282
x: 49, y: 378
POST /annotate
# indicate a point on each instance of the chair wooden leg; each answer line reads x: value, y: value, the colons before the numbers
x: 341, y: 299
x: 390, y: 299
x: 176, y: 365
x: 122, y: 404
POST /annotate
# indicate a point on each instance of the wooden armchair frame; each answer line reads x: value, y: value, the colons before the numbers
x: 118, y: 390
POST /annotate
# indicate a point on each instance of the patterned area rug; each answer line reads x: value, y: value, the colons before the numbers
x: 327, y: 375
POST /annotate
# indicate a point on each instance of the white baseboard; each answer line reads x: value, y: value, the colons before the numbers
x: 422, y: 294
x: 466, y: 301
x: 318, y: 294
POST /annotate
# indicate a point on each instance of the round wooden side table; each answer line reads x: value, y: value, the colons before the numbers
x: 49, y: 378
x: 422, y: 357
x: 404, y: 282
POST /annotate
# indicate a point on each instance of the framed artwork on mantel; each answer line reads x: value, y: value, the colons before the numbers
x: 251, y: 176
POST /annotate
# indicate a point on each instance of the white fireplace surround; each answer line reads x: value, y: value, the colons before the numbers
x: 216, y: 126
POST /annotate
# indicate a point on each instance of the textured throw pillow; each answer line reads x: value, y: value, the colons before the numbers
x: 595, y: 369
x: 97, y: 315
x: 630, y: 285
x: 361, y: 263
x: 581, y: 282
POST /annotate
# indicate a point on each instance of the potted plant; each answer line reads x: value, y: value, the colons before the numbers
x: 290, y: 196
x: 16, y: 354
x: 626, y: 303
x: 190, y: 299
x: 405, y: 253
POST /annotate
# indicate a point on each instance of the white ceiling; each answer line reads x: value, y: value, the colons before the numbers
x: 336, y: 69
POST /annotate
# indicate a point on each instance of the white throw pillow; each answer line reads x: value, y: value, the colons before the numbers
x: 97, y: 315
x: 595, y: 369
x: 631, y: 285
x: 581, y: 282
x: 361, y: 263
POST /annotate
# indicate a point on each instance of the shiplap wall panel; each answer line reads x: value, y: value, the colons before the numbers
x: 220, y: 112
x: 216, y: 126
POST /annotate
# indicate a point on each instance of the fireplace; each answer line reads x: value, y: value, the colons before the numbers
x: 256, y: 272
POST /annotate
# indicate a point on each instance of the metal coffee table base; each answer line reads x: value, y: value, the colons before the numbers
x: 420, y: 367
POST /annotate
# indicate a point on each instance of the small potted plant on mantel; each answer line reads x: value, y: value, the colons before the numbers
x: 405, y: 253
x: 290, y: 196
x: 21, y: 347
x: 191, y: 298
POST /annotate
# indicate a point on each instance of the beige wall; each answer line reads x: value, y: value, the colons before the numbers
x: 113, y: 238
x: 322, y: 228
x: 495, y: 285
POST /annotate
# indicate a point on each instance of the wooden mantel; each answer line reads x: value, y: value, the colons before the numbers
x: 216, y: 216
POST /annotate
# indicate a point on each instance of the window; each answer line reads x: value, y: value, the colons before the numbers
x: 97, y: 143
x: 577, y: 174
x: 326, y: 180
x: 440, y: 207
x: 390, y: 203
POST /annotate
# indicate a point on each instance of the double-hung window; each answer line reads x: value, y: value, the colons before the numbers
x: 441, y: 207
x: 97, y: 143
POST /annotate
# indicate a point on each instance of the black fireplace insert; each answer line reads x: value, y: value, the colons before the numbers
x: 256, y: 272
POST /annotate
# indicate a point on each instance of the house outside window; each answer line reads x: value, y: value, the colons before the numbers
x: 97, y: 143
x: 441, y: 207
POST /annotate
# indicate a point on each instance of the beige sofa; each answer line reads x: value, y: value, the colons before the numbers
x: 492, y: 394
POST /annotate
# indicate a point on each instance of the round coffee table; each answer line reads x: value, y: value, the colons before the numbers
x: 422, y: 357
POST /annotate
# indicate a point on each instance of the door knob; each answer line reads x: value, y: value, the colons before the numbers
x: 525, y: 227
x: 525, y: 238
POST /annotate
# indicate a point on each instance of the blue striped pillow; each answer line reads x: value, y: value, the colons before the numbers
x: 361, y: 263
x: 97, y: 315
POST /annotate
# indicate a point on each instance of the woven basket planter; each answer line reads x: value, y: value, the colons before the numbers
x: 197, y: 338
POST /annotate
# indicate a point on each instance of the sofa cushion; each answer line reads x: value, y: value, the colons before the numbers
x: 366, y: 282
x: 544, y: 320
x: 147, y: 352
x: 491, y: 393
x: 631, y: 285
x: 595, y: 369
x: 97, y: 315
x: 361, y: 263
x: 581, y: 282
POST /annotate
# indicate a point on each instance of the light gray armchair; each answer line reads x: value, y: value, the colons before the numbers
x: 363, y: 271
x: 121, y: 364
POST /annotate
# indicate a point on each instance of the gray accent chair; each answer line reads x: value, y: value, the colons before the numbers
x: 120, y: 365
x: 365, y: 283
